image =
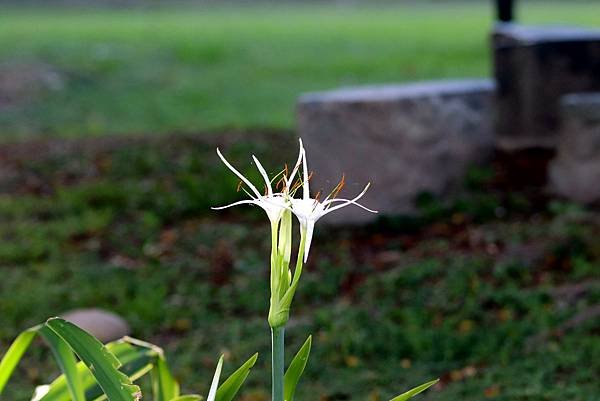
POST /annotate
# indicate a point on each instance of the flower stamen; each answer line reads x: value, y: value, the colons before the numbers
x: 338, y: 188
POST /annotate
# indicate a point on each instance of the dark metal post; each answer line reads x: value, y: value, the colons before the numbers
x: 505, y: 10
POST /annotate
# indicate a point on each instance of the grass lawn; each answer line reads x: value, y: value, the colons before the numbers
x: 497, y: 293
x: 164, y: 71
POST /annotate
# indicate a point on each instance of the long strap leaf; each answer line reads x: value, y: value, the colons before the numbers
x: 103, y: 364
x: 231, y: 386
x: 136, y: 357
x: 212, y: 392
x: 134, y: 360
x: 295, y: 370
x: 66, y: 361
x: 14, y: 354
x: 164, y: 386
x: 415, y: 391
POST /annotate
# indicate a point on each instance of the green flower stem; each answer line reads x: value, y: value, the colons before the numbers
x: 273, y: 254
x: 278, y: 346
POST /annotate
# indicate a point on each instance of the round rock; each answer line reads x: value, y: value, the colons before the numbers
x: 105, y: 326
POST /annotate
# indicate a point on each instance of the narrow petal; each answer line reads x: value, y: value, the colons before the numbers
x: 306, y: 191
x: 242, y: 202
x: 241, y: 177
x: 264, y: 175
x: 347, y: 202
x: 310, y: 228
x: 289, y: 180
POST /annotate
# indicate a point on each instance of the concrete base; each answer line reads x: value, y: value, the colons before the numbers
x: 405, y: 139
x: 534, y: 66
x: 575, y: 173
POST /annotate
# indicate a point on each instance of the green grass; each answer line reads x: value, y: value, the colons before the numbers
x: 459, y: 293
x: 163, y: 71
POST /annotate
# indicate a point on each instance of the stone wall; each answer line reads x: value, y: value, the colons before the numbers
x: 405, y: 139
x: 575, y: 173
x: 534, y: 66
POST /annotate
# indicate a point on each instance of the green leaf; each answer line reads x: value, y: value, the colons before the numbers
x: 415, y: 391
x: 231, y: 386
x: 191, y: 397
x: 66, y: 361
x: 215, y: 381
x: 135, y: 356
x: 164, y: 386
x: 295, y: 370
x: 14, y: 354
x: 103, y: 364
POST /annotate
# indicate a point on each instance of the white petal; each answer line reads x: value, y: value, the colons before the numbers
x: 244, y: 179
x: 272, y: 205
x: 304, y: 208
x: 242, y: 202
x: 264, y: 175
x: 306, y: 190
x: 310, y: 228
x: 289, y: 180
x: 347, y: 202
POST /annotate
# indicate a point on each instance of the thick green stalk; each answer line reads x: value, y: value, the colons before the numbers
x: 277, y: 367
x: 275, y: 317
x: 273, y: 254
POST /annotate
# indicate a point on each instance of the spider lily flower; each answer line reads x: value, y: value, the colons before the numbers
x: 308, y: 210
x: 278, y: 208
x: 272, y: 203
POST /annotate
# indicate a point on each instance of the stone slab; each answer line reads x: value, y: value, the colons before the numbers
x: 541, y: 34
x: 581, y: 107
x: 575, y: 172
x: 534, y: 66
x: 404, y: 139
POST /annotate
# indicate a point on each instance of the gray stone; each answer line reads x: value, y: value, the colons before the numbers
x: 405, y: 139
x: 105, y: 326
x: 534, y: 67
x: 575, y: 172
x: 581, y: 107
x: 23, y: 82
x: 542, y: 34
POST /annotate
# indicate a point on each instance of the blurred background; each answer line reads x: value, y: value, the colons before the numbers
x: 110, y: 112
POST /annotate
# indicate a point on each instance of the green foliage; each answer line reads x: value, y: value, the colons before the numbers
x: 230, y: 387
x: 415, y: 391
x: 97, y: 375
x: 102, y: 363
x: 165, y: 387
x: 480, y: 305
x: 136, y: 357
x: 65, y: 340
x: 66, y: 360
x: 12, y: 357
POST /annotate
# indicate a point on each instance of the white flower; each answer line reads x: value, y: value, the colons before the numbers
x: 272, y: 203
x: 308, y: 210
